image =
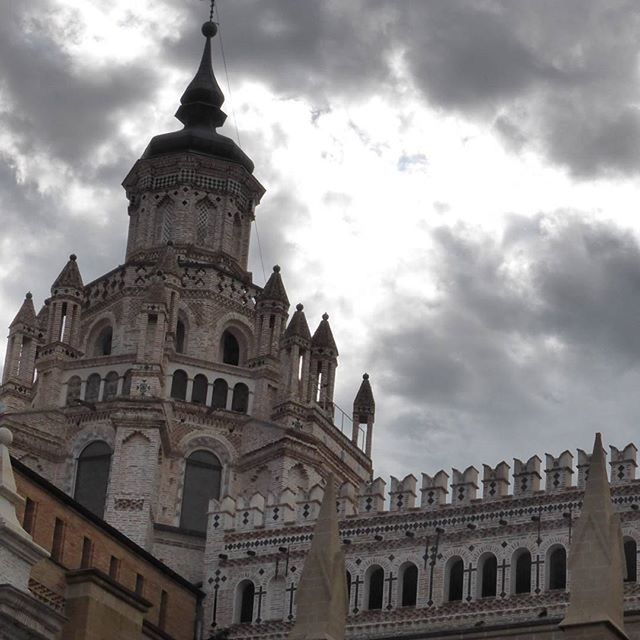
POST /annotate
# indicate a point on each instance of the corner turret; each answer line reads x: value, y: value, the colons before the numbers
x: 272, y: 306
x: 364, y: 412
x: 296, y: 347
x: 324, y: 360
x: 19, y: 363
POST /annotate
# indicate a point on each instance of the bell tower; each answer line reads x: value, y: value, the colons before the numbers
x: 194, y: 187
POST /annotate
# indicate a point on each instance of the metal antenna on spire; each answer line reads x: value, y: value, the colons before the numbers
x: 211, y: 9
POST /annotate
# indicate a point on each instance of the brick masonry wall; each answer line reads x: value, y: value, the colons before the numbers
x: 49, y: 575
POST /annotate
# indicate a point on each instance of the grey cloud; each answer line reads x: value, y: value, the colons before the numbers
x: 58, y: 107
x: 550, y: 347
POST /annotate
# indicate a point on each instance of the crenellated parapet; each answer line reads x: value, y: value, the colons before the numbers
x: 464, y: 486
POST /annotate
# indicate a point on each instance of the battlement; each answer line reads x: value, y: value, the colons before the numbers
x: 440, y: 491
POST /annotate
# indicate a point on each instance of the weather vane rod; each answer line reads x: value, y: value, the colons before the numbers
x: 211, y: 7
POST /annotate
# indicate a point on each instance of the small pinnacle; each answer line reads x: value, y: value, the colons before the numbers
x: 73, y: 257
x: 299, y: 306
x: 325, y: 316
x: 276, y: 268
x: 365, y: 376
x: 209, y: 29
x: 28, y: 296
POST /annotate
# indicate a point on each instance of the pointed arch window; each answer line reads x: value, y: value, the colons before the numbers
x: 199, y: 393
x: 180, y: 337
x: 631, y: 560
x: 230, y: 348
x: 92, y: 393
x: 244, y: 602
x: 179, y: 385
x: 126, y: 383
x: 220, y: 391
x: 522, y: 572
x: 488, y: 576
x: 92, y: 477
x: 202, y: 478
x: 240, y: 400
x: 375, y: 588
x: 74, y: 386
x: 455, y: 580
x: 558, y: 568
x: 348, y: 576
x: 110, y: 386
x: 409, y: 585
x: 104, y: 342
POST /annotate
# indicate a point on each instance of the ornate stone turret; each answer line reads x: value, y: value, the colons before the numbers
x: 272, y: 307
x: 19, y: 363
x: 194, y: 186
x: 322, y: 595
x: 65, y: 306
x: 324, y: 360
x: 62, y: 334
x: 364, y: 412
x: 596, y: 562
x: 297, y: 352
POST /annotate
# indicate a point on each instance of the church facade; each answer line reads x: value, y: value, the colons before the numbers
x: 193, y: 411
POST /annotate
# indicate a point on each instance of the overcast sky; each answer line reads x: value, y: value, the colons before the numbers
x: 455, y: 183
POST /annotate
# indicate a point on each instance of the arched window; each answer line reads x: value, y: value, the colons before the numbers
x: 488, y: 572
x: 375, y: 577
x: 237, y: 236
x: 180, y: 337
x: 201, y: 483
x: 220, y: 391
x: 348, y: 589
x: 230, y: 348
x: 92, y: 477
x: 126, y: 383
x: 74, y: 386
x: 240, y: 401
x: 522, y: 577
x: 110, y: 386
x: 244, y: 602
x: 409, y: 585
x: 199, y: 393
x: 103, y: 342
x: 631, y: 560
x: 92, y: 393
x: 179, y: 385
x: 558, y: 568
x: 455, y: 570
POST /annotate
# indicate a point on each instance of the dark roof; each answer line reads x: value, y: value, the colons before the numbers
x: 26, y: 314
x: 298, y: 327
x: 323, y: 338
x: 274, y: 289
x: 100, y: 523
x: 201, y: 115
x: 69, y: 276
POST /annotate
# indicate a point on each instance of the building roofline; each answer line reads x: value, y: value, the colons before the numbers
x: 107, y: 528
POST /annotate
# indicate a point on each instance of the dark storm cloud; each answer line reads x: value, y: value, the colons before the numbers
x: 561, y: 76
x: 54, y: 105
x: 558, y: 76
x: 535, y: 332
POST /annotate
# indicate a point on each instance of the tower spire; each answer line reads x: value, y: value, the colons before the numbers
x: 201, y: 114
